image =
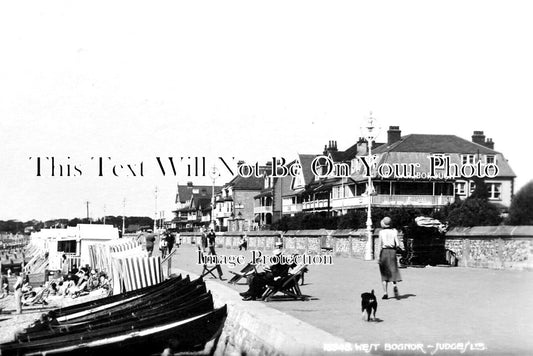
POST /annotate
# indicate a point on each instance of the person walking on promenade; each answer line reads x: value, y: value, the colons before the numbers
x: 204, y: 240
x: 211, y: 240
x: 171, y: 239
x: 388, y: 265
x: 178, y: 239
x: 243, y: 243
x: 163, y: 245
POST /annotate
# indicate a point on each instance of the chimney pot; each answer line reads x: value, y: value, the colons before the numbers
x: 394, y: 134
x: 478, y: 137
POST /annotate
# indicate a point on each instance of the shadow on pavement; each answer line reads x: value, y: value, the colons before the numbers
x: 405, y: 296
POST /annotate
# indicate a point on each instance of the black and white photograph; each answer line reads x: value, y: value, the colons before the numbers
x: 266, y: 178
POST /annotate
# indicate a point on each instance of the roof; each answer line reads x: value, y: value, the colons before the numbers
x: 185, y: 192
x: 305, y: 162
x: 417, y: 148
x: 246, y: 183
x: 434, y: 144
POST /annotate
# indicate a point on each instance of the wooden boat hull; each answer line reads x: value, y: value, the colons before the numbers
x: 180, y: 336
x: 202, y: 305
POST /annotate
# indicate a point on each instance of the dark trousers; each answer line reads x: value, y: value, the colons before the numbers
x: 212, y: 252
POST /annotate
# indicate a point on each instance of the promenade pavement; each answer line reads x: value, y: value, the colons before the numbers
x: 487, y: 311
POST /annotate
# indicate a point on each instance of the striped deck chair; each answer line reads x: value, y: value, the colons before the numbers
x: 287, y: 285
x: 248, y: 270
x: 208, y: 269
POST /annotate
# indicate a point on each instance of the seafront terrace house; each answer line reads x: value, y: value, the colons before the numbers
x: 234, y: 207
x: 417, y: 170
x: 297, y: 190
x: 268, y: 206
x: 193, y: 206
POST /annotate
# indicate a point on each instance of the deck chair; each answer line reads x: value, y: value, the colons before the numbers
x: 208, y: 269
x: 288, y: 285
x: 248, y: 270
x: 39, y: 298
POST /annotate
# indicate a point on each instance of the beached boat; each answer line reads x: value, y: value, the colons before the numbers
x: 177, y: 314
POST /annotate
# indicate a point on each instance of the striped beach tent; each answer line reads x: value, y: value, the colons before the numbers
x: 138, y: 272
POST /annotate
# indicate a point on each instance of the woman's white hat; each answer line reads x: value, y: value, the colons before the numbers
x: 385, y: 223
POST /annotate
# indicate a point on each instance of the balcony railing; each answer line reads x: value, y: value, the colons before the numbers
x: 263, y: 209
x: 315, y: 205
x: 394, y: 200
x: 222, y: 214
x: 292, y: 208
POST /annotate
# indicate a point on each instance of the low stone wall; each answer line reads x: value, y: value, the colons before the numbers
x: 508, y: 247
x: 501, y: 247
x: 252, y: 328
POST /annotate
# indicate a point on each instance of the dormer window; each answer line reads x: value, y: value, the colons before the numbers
x: 491, y: 159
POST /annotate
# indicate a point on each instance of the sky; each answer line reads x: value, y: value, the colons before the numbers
x: 245, y: 80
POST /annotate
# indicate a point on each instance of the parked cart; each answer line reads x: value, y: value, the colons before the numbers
x: 424, y: 243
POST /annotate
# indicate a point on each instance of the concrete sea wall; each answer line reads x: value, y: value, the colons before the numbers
x: 499, y: 247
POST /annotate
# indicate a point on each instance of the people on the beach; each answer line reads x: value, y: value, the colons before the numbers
x: 150, y: 240
x: 64, y: 265
x: 18, y: 292
x: 388, y: 264
x: 5, y: 285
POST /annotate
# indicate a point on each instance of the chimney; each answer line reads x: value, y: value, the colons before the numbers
x: 478, y: 137
x: 393, y: 134
x: 489, y: 143
x: 331, y: 147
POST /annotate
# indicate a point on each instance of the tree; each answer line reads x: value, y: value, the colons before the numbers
x: 474, y: 212
x: 521, y: 210
x: 481, y: 191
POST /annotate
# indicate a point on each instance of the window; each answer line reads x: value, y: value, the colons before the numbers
x: 466, y: 159
x: 472, y: 187
x: 68, y: 246
x: 337, y: 192
x: 495, y: 190
x: 460, y: 188
x: 491, y: 159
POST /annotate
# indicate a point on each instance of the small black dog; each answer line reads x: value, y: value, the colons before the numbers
x: 369, y: 305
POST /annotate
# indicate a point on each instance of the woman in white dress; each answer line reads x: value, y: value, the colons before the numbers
x: 388, y: 264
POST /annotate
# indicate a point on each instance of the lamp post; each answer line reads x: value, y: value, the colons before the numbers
x: 214, y: 174
x: 370, y: 132
x: 155, y: 211
x: 123, y: 215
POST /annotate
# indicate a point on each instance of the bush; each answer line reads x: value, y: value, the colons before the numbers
x: 521, y: 210
x: 474, y: 212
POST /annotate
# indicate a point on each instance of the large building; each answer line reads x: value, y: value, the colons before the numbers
x: 418, y: 170
x: 234, y: 209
